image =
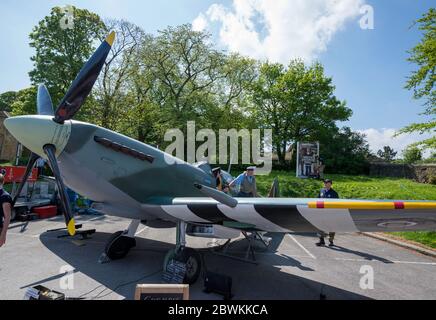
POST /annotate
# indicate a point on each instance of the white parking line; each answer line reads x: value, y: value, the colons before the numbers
x: 140, y: 231
x: 84, y: 219
x: 393, y: 261
x: 301, y: 246
x: 413, y: 262
x: 23, y: 234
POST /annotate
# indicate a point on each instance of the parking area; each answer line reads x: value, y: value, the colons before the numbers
x: 291, y: 268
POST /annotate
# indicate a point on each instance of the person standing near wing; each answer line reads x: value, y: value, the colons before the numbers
x: 247, y: 183
x: 327, y: 193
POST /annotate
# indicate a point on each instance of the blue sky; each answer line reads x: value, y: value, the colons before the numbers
x: 369, y: 67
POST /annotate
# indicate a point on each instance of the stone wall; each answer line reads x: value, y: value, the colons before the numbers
x: 425, y: 173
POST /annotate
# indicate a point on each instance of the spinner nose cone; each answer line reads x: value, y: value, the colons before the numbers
x: 34, y: 132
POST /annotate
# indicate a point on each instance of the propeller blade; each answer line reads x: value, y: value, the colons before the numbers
x: 30, y: 164
x: 43, y: 101
x: 84, y: 82
x: 50, y: 151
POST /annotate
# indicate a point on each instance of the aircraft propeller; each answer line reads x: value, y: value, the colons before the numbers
x: 68, y: 107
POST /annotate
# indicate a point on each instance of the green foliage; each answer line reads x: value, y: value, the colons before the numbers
x: 25, y: 102
x: 152, y: 83
x: 61, y: 53
x: 422, y: 128
x: 345, y: 151
x: 388, y: 154
x: 348, y: 187
x: 424, y: 55
x: 412, y: 155
x: 422, y: 80
x: 296, y: 102
x: 6, y: 100
x: 182, y: 67
x: 425, y: 238
x: 111, y: 92
x: 177, y: 76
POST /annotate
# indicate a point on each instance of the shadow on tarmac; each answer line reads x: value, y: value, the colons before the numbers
x: 144, y: 264
x: 364, y: 255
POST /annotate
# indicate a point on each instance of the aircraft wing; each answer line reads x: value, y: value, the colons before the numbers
x: 308, y: 215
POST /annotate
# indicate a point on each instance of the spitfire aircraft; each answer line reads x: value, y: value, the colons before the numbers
x: 130, y: 179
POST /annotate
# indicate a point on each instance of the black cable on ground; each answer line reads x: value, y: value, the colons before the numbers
x: 124, y: 284
x: 97, y: 296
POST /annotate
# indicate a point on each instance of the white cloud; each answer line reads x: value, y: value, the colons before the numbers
x: 200, y: 23
x: 279, y: 30
x: 378, y: 138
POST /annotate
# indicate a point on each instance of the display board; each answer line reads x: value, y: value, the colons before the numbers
x: 163, y: 292
x: 307, y: 159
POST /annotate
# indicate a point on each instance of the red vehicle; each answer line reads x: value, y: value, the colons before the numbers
x: 29, y: 199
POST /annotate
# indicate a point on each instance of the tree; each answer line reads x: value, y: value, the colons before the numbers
x: 412, y: 154
x: 388, y: 154
x: 25, y: 102
x: 422, y: 80
x: 345, y: 151
x: 178, y: 76
x: 297, y: 103
x: 111, y: 89
x: 184, y: 68
x: 6, y: 100
x: 232, y: 92
x: 60, y: 53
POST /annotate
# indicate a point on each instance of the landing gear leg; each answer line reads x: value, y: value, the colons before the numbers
x: 190, y: 257
x: 120, y: 243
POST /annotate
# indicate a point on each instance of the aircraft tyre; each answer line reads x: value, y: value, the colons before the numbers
x: 191, y: 258
x: 118, y: 245
x: 171, y: 254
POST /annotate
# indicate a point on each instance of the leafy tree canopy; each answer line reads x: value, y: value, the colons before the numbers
x: 422, y: 80
x: 6, y: 100
x: 61, y: 52
x: 388, y: 154
x: 297, y: 102
x: 412, y: 155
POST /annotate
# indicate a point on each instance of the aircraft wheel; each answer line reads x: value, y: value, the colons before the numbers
x: 118, y: 245
x: 192, y: 259
x: 171, y: 254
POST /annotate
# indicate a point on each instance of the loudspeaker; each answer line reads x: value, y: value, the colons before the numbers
x: 218, y: 283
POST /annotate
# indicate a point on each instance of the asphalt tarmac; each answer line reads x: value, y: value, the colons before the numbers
x: 292, y: 267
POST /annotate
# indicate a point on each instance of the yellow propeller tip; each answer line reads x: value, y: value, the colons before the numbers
x: 71, y: 227
x: 111, y: 38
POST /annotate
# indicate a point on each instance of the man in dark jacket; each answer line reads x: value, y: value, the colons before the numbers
x: 327, y: 193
